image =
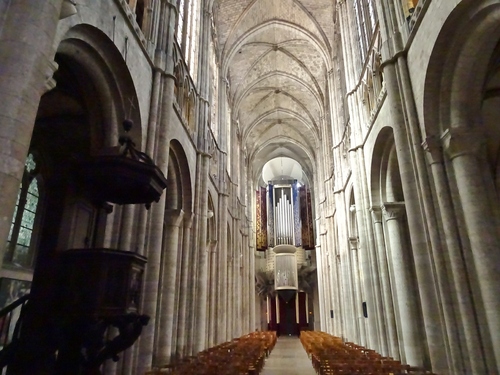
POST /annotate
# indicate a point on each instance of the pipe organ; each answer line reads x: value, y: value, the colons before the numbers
x: 283, y: 218
x: 285, y: 254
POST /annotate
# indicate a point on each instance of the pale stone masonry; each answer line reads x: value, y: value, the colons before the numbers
x: 390, y: 107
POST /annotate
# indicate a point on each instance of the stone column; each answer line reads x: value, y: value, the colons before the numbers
x: 230, y: 290
x: 425, y: 241
x: 213, y: 297
x: 124, y: 243
x: 404, y: 296
x: 126, y: 227
x: 338, y: 312
x: 27, y: 30
x: 222, y: 262
x: 389, y: 333
x: 251, y: 286
x: 358, y: 297
x: 201, y: 193
x: 463, y: 147
x: 245, y: 301
x: 202, y: 246
x: 184, y: 329
x: 167, y: 290
x: 191, y: 298
x: 465, y: 329
x: 146, y: 356
x: 350, y: 320
x: 371, y: 269
x: 237, y: 281
x: 321, y: 290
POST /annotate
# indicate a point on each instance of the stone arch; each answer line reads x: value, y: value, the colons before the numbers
x: 212, y: 220
x: 77, y: 118
x: 351, y: 214
x: 459, y: 65
x: 179, y: 165
x: 464, y: 70
x: 90, y: 50
x: 385, y: 178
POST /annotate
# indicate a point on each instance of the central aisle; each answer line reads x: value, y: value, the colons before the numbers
x: 288, y: 358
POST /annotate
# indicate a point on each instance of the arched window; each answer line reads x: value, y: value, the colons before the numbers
x: 180, y: 22
x: 187, y: 33
x: 137, y: 6
x: 19, y: 249
x: 214, y: 92
x: 139, y: 12
x: 366, y: 19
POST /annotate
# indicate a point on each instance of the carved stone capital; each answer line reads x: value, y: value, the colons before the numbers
x: 376, y: 214
x: 460, y: 141
x: 188, y: 220
x: 353, y: 241
x: 434, y: 150
x: 50, y: 82
x: 393, y: 210
x: 173, y: 217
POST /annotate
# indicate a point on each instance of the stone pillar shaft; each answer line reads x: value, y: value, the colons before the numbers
x: 167, y: 290
x: 390, y: 333
x: 357, y: 292
x: 423, y: 238
x: 213, y: 297
x: 202, y: 263
x: 463, y: 148
x: 404, y: 296
x: 475, y: 361
x: 184, y: 328
x: 222, y: 311
x: 27, y: 31
x: 321, y: 290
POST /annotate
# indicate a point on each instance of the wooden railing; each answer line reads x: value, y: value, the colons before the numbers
x: 10, y: 323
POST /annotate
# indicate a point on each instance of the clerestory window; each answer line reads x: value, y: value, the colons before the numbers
x: 187, y: 33
x: 366, y: 19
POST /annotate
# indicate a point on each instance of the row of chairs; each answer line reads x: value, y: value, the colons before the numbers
x: 241, y: 356
x: 330, y: 355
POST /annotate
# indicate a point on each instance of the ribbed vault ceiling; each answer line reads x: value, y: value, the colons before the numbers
x: 276, y: 56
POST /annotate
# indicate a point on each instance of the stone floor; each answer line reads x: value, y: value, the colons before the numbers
x: 288, y: 358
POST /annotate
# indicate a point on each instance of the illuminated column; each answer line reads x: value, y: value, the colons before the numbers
x: 167, y: 292
x: 464, y: 147
x: 146, y: 354
x: 390, y: 334
x: 404, y: 297
x: 183, y: 322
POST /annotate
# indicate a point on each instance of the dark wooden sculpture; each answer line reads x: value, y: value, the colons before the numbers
x: 122, y: 174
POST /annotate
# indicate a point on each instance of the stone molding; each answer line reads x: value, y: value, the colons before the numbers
x: 188, y: 220
x: 461, y: 141
x: 173, y: 217
x: 393, y: 210
x: 354, y: 242
x: 434, y: 150
x: 376, y: 214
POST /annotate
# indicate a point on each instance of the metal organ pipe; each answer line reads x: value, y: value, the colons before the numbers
x: 285, y: 223
x: 284, y: 215
x: 290, y: 221
x: 280, y: 229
